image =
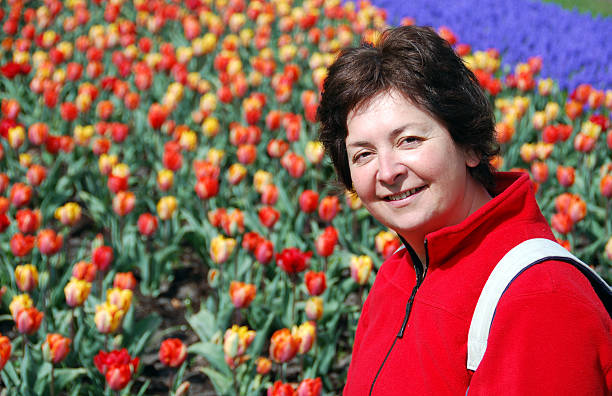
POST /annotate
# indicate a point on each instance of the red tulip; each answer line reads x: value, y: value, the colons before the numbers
x: 28, y: 220
x: 36, y: 174
x: 207, y: 187
x: 264, y: 252
x: 315, y: 282
x: 172, y: 160
x: 250, y: 240
x: 293, y: 260
x: 4, y: 181
x: 147, y: 224
x: 310, y: 387
x: 5, y: 350
x: 605, y: 186
x: 281, y: 389
x: 268, y: 216
x: 22, y: 245
x: 68, y: 111
x: 293, y: 164
x: 4, y: 221
x: 102, y: 256
x: 561, y: 223
x: 172, y: 352
x: 328, y: 208
x: 20, y: 194
x: 157, y: 115
x: 117, y: 367
x: 309, y: 201
x: 326, y: 242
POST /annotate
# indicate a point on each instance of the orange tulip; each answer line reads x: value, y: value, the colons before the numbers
x: 28, y: 320
x: 5, y: 350
x: 242, y: 294
x: 49, y: 242
x: 56, y: 348
x: 283, y: 345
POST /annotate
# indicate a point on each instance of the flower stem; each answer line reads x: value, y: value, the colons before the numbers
x: 52, y: 380
x: 293, y: 303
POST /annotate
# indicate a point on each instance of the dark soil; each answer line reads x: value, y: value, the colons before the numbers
x: 188, y: 286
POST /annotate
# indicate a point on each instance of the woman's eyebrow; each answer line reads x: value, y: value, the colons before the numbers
x: 394, y: 133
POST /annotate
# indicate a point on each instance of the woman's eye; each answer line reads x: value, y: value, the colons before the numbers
x: 361, y: 156
x: 408, y: 140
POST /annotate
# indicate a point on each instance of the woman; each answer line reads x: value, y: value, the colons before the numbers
x: 409, y: 130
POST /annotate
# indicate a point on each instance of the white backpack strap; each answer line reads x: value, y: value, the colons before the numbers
x: 522, y: 256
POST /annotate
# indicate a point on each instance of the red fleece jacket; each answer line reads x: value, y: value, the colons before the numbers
x: 551, y: 334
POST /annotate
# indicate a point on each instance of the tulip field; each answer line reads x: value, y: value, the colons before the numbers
x: 148, y: 144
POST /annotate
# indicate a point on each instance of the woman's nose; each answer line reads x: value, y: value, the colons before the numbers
x: 389, y: 168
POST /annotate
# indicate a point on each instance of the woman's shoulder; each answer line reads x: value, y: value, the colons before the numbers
x: 560, y: 283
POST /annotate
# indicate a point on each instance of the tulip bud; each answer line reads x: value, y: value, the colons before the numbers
x: 221, y: 248
x: 166, y: 207
x: 172, y: 352
x: 56, y: 348
x: 69, y: 214
x: 309, y: 201
x: 76, y: 292
x: 147, y: 224
x: 264, y: 365
x: 85, y: 271
x: 125, y: 280
x: 328, y: 208
x: 121, y: 298
x: 315, y: 282
x: 28, y: 320
x: 108, y: 317
x: 307, y: 333
x: 283, y: 346
x: 242, y: 294
x: 310, y: 387
x: 26, y: 277
x: 102, y: 256
x: 165, y: 179
x: 361, y: 266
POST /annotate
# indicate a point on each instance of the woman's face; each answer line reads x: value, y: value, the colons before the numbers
x: 406, y: 168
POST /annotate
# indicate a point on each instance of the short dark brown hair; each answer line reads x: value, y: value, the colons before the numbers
x: 421, y: 66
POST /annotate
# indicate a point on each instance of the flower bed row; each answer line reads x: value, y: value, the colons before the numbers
x: 574, y: 46
x: 141, y: 137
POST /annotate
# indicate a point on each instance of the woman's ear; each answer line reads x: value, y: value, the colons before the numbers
x: 471, y: 158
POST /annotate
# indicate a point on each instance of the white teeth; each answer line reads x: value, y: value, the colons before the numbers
x: 402, y: 195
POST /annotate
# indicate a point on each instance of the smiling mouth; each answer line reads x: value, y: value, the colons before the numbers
x: 404, y: 194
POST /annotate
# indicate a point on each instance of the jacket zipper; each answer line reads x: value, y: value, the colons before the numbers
x: 420, y: 271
